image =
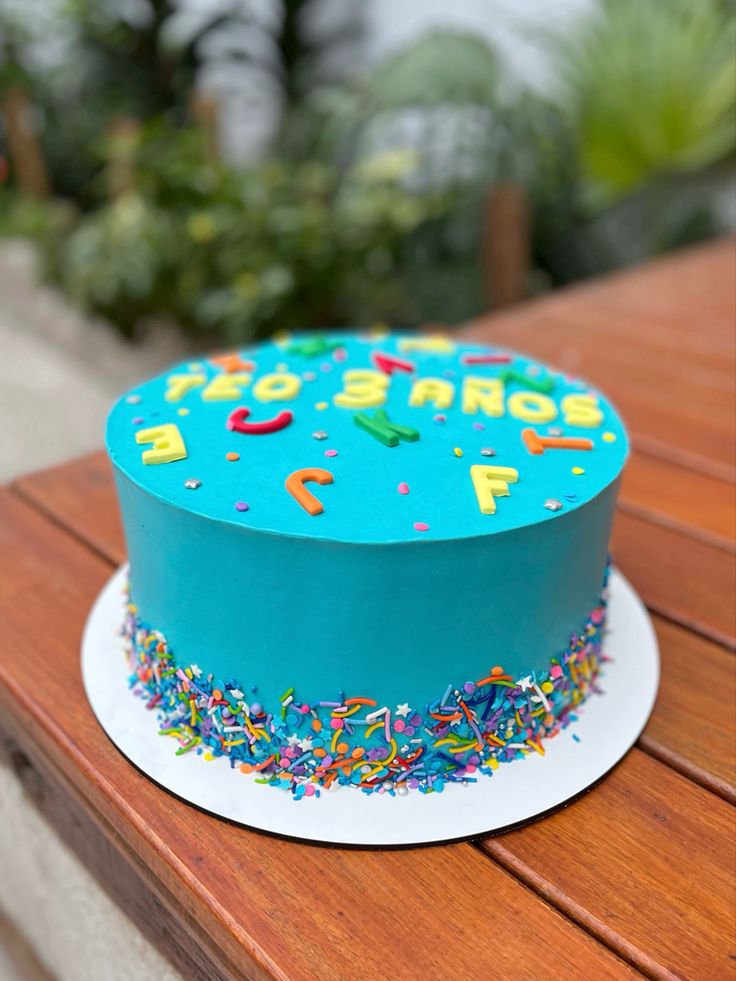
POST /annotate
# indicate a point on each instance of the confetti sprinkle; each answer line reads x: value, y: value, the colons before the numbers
x: 309, y: 376
x: 133, y: 399
x: 439, y: 418
x: 325, y: 366
x: 479, y: 426
x: 468, y: 359
x: 321, y: 406
x: 487, y: 451
x: 552, y: 504
x: 320, y: 434
x: 282, y: 367
x: 182, y: 412
x: 137, y: 420
x: 421, y: 526
x: 577, y: 471
x: 608, y: 437
x: 457, y: 451
x: 306, y: 749
x: 403, y: 488
x: 191, y: 483
x: 340, y: 354
x: 241, y: 506
x: 232, y: 457
x: 312, y: 347
x: 330, y: 452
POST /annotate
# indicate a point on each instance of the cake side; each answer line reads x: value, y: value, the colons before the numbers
x: 268, y: 556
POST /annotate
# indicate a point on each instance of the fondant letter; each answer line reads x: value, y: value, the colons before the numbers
x: 226, y: 388
x: 435, y: 390
x: 485, y: 394
x: 537, y: 444
x: 280, y: 387
x: 363, y: 389
x: 179, y: 385
x: 531, y: 407
x: 581, y: 410
x: 380, y: 427
x: 491, y: 482
x: 295, y: 486
x: 167, y: 444
x: 435, y: 343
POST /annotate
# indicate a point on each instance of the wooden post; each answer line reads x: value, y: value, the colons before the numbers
x: 506, y: 244
x: 25, y: 148
x: 203, y: 108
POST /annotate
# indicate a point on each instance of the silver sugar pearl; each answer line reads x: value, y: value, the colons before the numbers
x: 133, y: 399
x: 487, y: 451
x: 191, y: 483
x: 554, y: 431
x: 552, y: 504
x: 320, y: 434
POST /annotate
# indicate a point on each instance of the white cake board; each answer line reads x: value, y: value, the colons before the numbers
x: 518, y: 792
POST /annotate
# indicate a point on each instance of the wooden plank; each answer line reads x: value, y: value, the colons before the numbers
x: 646, y: 856
x: 692, y: 502
x: 693, y: 726
x: 704, y: 279
x: 692, y: 582
x: 269, y: 905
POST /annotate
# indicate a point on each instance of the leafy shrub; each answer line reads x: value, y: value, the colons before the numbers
x: 241, y: 253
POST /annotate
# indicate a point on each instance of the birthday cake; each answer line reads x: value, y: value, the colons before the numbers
x: 365, y: 560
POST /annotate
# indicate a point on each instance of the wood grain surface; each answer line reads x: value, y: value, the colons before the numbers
x: 635, y: 876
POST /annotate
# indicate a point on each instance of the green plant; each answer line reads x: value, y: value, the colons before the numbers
x: 651, y: 91
x: 241, y: 253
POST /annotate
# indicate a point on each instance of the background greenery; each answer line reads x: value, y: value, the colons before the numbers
x: 369, y: 203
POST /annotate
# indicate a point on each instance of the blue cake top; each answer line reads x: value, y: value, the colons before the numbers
x: 369, y: 438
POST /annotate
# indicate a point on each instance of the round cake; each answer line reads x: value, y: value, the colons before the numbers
x: 366, y: 559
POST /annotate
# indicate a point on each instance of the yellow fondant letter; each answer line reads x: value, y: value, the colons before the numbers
x: 485, y: 394
x: 491, y: 482
x: 581, y: 410
x: 436, y: 343
x: 177, y: 386
x: 435, y: 390
x: 363, y: 388
x: 167, y: 444
x: 279, y: 387
x: 226, y: 387
x: 532, y: 407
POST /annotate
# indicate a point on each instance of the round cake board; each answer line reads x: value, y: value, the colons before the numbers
x: 518, y: 792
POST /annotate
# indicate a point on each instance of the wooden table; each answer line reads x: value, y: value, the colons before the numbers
x: 635, y: 877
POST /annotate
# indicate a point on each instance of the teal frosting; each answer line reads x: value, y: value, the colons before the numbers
x: 356, y: 598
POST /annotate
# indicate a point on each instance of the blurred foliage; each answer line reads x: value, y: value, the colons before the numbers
x: 240, y: 253
x: 651, y: 89
x: 26, y: 217
x: 646, y: 122
x: 370, y: 202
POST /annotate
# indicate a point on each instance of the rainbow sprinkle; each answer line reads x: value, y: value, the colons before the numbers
x: 308, y: 747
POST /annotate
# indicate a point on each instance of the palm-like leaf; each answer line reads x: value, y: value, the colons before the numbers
x: 653, y: 89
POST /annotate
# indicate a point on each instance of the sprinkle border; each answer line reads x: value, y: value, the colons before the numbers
x: 308, y: 748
